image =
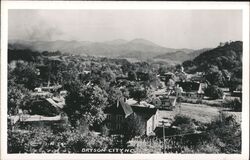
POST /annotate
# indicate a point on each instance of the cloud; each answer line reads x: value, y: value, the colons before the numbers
x: 36, y: 33
x: 29, y: 25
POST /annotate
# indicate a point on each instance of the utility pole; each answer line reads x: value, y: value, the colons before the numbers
x: 163, y: 135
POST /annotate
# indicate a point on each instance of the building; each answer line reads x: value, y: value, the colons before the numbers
x: 46, y: 107
x: 43, y: 111
x: 116, y: 115
x: 189, y: 89
x: 164, y: 102
x: 143, y: 112
x: 155, y: 122
x: 125, y: 110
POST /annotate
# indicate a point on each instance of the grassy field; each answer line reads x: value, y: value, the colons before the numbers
x: 199, y: 112
x: 204, y: 113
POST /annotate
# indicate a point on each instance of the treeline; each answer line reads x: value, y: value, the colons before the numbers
x: 222, y: 65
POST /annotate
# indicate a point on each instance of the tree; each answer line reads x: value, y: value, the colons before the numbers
x: 26, y: 74
x: 85, y: 103
x: 108, y: 75
x: 18, y: 95
x: 213, y: 92
x: 113, y: 95
x: 235, y: 104
x: 225, y: 134
x: 133, y: 127
x: 132, y: 76
x: 184, y: 123
x: 214, y: 76
x: 15, y: 96
x: 138, y: 94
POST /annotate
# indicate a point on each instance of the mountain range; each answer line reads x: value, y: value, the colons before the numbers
x: 137, y: 48
x: 181, y: 55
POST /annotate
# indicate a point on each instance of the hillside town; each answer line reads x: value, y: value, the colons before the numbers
x: 121, y: 103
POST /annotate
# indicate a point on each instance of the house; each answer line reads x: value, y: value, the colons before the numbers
x: 197, y: 77
x: 155, y: 122
x: 51, y: 88
x: 38, y: 89
x: 42, y: 111
x: 164, y: 102
x: 125, y: 110
x: 180, y: 74
x: 42, y: 94
x: 46, y: 107
x: 63, y: 93
x: 189, y: 89
x: 116, y: 115
x: 143, y: 111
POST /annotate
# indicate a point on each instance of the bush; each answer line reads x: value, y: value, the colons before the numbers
x: 234, y: 104
x: 77, y: 141
x: 214, y: 92
x: 225, y: 134
x: 43, y: 140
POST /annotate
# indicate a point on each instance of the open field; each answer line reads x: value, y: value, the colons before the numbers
x: 204, y: 113
x: 199, y: 112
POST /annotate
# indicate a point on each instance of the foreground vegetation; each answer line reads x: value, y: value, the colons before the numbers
x: 223, y: 135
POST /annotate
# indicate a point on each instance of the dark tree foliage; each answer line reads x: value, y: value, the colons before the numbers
x: 133, y: 127
x: 184, y: 124
x: 132, y: 76
x: 17, y: 97
x: 113, y: 95
x: 216, y: 61
x: 85, y: 103
x: 214, y: 76
x: 138, y: 94
x: 44, y: 140
x: 235, y: 104
x: 25, y: 55
x: 26, y: 74
x: 225, y: 134
x: 214, y: 92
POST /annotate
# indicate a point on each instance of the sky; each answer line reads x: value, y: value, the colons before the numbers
x: 192, y: 29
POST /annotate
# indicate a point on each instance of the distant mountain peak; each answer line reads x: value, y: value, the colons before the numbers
x: 116, y: 42
x: 142, y: 41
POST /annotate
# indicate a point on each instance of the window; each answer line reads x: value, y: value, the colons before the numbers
x: 108, y: 116
x: 118, y: 126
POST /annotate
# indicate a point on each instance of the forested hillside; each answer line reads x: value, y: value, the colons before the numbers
x: 222, y: 65
x: 226, y: 57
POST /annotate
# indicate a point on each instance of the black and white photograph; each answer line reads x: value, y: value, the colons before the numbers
x: 125, y: 81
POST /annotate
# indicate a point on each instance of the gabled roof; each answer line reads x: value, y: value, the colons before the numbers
x: 144, y: 110
x: 172, y: 100
x: 53, y: 103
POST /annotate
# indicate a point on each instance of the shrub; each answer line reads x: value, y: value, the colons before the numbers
x: 43, y: 140
x: 225, y: 133
x: 214, y: 92
x: 234, y: 104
